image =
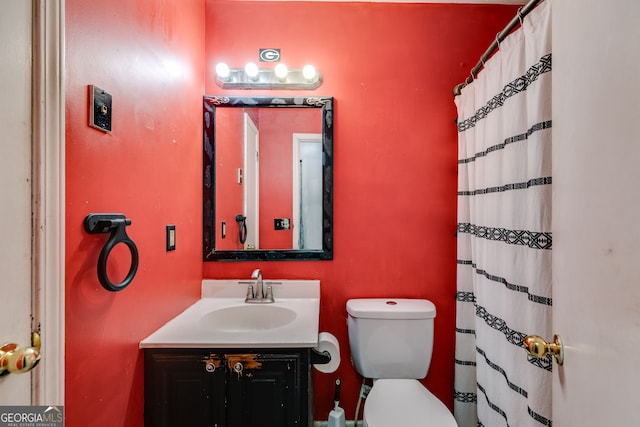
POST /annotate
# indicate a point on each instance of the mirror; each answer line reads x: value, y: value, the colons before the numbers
x: 268, y: 178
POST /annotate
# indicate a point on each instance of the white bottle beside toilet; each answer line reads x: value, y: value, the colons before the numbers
x: 391, y: 341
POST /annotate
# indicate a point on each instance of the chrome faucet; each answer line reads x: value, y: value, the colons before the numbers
x: 261, y: 296
x: 257, y: 274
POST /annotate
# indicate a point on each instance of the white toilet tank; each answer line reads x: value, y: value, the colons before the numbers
x: 391, y: 337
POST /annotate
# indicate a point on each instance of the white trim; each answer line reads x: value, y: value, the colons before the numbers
x: 298, y: 138
x: 348, y: 423
x: 48, y: 186
x: 251, y: 182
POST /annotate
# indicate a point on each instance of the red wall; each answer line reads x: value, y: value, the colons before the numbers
x: 391, y: 68
x: 149, y: 55
x: 276, y: 169
x: 229, y: 193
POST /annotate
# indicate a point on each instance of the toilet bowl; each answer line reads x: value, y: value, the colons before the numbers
x: 391, y: 341
x: 406, y: 403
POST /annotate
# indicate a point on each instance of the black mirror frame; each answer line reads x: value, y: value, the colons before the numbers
x: 210, y: 103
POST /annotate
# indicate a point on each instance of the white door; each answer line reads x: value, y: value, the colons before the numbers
x: 32, y: 68
x: 596, y: 211
x: 15, y: 189
x: 307, y: 191
x: 251, y: 182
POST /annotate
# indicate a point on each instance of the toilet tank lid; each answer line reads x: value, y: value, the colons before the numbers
x: 391, y: 308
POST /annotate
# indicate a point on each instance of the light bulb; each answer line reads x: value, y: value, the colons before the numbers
x: 251, y: 70
x: 281, y: 71
x: 309, y: 72
x: 222, y: 70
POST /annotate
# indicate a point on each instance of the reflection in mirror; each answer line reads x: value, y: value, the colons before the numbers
x: 268, y: 178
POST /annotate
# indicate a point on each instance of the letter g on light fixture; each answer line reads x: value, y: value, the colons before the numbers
x: 278, y: 77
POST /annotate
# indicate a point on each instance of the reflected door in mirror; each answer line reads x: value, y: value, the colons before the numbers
x: 307, y: 194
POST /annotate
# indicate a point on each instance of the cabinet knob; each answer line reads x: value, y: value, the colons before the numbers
x: 238, y: 369
x: 211, y: 363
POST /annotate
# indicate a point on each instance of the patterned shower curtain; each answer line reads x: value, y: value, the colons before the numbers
x: 504, y: 233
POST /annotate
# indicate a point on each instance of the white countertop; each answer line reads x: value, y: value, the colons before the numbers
x: 190, y: 330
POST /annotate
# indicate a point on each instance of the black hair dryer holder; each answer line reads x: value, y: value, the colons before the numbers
x: 115, y: 224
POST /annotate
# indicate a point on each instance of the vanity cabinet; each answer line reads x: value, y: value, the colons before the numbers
x: 227, y: 388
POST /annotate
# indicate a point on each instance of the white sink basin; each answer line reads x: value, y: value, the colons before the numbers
x: 248, y: 317
x: 221, y: 318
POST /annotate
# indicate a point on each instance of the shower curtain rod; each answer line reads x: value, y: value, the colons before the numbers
x: 522, y: 12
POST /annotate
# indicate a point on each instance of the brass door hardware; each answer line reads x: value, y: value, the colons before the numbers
x: 538, y: 347
x: 18, y: 360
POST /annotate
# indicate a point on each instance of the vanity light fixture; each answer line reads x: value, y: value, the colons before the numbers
x: 281, y: 71
x: 279, y: 77
x: 252, y: 71
x: 309, y: 72
x: 222, y: 71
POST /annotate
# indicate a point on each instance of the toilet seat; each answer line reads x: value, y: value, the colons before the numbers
x: 404, y: 402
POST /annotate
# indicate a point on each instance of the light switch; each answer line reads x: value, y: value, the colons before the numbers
x: 171, y: 237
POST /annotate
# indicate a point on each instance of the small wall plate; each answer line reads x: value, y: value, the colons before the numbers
x: 171, y: 237
x: 99, y: 109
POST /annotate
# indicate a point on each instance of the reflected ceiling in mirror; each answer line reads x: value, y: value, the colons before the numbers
x: 268, y: 178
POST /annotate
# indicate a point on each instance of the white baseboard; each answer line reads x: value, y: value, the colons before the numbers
x: 324, y: 424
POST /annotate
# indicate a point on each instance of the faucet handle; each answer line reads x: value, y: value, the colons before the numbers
x: 250, y: 294
x: 269, y: 294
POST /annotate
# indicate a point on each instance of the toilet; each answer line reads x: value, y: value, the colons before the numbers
x: 391, y: 341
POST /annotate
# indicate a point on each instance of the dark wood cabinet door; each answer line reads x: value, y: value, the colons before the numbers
x: 268, y: 390
x: 184, y: 388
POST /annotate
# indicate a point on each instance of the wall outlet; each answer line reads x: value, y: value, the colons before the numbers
x: 281, y: 223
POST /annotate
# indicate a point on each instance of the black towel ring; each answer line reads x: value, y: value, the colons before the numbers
x: 115, y: 224
x: 242, y: 231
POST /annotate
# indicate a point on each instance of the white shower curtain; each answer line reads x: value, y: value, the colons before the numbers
x: 504, y: 233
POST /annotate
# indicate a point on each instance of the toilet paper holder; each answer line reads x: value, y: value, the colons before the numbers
x: 327, y: 353
x: 320, y: 357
